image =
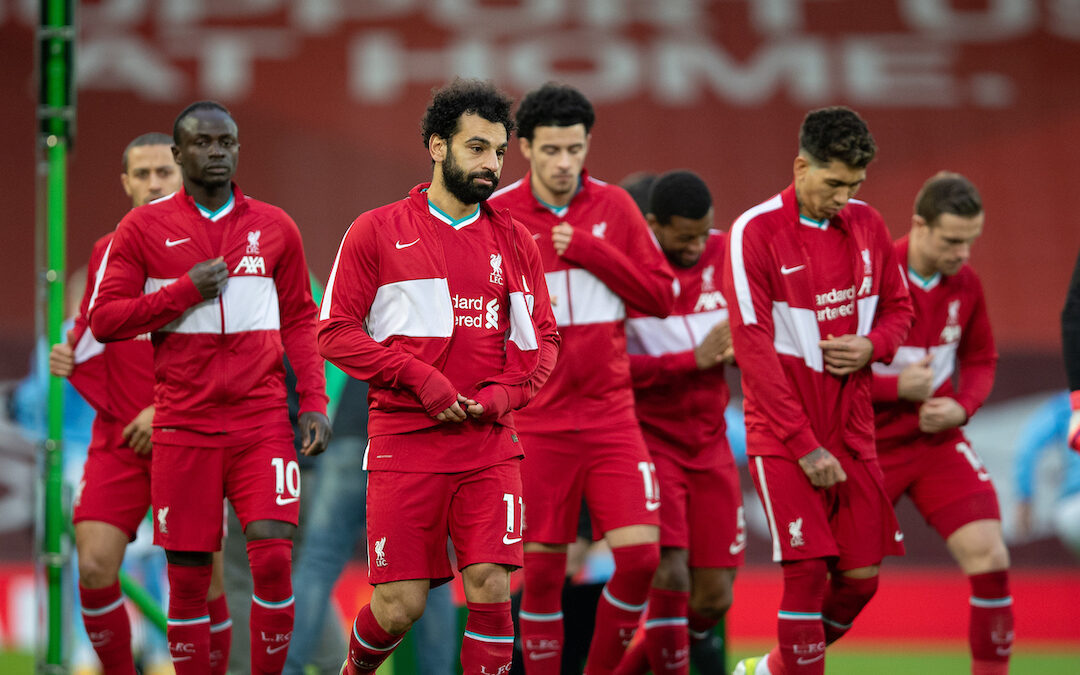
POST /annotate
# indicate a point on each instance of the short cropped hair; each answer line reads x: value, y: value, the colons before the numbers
x: 553, y: 105
x: 152, y: 138
x: 197, y: 105
x: 679, y: 193
x: 947, y: 192
x: 465, y: 96
x: 837, y: 133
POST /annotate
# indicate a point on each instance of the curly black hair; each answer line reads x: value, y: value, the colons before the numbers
x: 837, y: 133
x: 465, y: 96
x: 553, y: 105
x: 197, y: 105
x: 679, y: 193
x: 947, y: 192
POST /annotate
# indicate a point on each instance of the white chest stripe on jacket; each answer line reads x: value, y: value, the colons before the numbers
x: 738, y: 265
x: 249, y: 303
x: 521, y: 327
x: 411, y: 308
x: 796, y: 332
x: 655, y: 337
x: 578, y: 298
x: 943, y: 362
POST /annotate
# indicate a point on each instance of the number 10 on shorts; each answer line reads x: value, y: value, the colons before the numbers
x: 287, y: 477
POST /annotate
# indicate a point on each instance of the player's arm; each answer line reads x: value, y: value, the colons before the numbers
x: 640, y: 275
x: 1070, y: 342
x: 747, y: 275
x: 297, y: 311
x: 1046, y: 427
x: 647, y: 370
x: 976, y: 356
x: 87, y: 361
x: 343, y: 340
x: 121, y: 311
x: 511, y: 392
x: 894, y: 316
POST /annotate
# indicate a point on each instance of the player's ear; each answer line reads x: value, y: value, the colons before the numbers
x: 802, y: 165
x: 918, y: 221
x: 437, y: 148
x: 125, y: 184
x: 525, y: 145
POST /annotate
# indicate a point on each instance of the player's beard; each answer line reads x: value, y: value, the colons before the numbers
x: 461, y: 185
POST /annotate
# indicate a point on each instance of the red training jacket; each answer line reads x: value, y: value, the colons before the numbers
x: 613, y: 262
x: 792, y: 404
x: 951, y: 323
x: 217, y: 363
x: 681, y: 408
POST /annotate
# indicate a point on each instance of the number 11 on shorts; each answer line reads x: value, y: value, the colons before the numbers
x: 513, y: 519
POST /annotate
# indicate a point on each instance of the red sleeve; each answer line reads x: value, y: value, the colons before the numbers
x: 88, y: 377
x: 977, y: 357
x: 894, y: 314
x: 121, y: 310
x: 885, y: 388
x: 297, y: 311
x: 747, y: 275
x: 349, y: 293
x: 651, y: 371
x: 639, y: 275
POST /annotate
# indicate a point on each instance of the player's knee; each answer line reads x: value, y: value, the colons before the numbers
x: 95, y: 571
x: 985, y: 552
x: 672, y: 573
x: 713, y: 602
x: 486, y: 582
x: 397, y: 612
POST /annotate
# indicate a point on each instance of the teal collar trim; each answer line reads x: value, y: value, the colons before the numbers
x: 458, y: 223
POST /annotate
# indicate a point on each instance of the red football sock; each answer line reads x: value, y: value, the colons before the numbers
x: 621, y: 604
x: 541, y: 618
x: 990, y: 630
x: 700, y: 626
x: 488, y: 646
x: 800, y: 632
x: 188, y: 629
x: 272, y: 607
x: 220, y: 635
x: 369, y: 644
x: 106, y: 621
x: 666, y: 637
x: 636, y: 659
x: 844, y: 599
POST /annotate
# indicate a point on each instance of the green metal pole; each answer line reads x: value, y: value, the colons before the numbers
x: 56, y: 51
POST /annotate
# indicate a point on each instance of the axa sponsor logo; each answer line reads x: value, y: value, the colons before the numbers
x: 380, y: 552
x: 709, y: 301
x: 496, y: 276
x: 162, y: 514
x: 250, y: 264
x: 794, y: 529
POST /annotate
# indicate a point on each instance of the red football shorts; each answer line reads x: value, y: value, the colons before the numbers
x: 258, y: 474
x: 115, y: 486
x: 702, y: 511
x: 947, y: 482
x: 610, y: 467
x: 852, y: 521
x: 410, y: 515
